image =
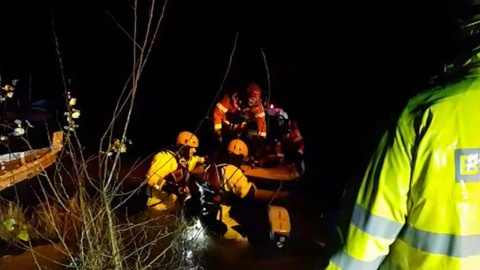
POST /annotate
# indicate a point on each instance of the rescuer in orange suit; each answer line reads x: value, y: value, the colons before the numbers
x: 255, y: 109
x: 225, y: 113
x: 255, y: 112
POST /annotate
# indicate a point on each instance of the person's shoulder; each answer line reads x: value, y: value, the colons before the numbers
x: 231, y: 167
x: 439, y: 96
x: 435, y: 102
x: 164, y: 154
x: 231, y: 170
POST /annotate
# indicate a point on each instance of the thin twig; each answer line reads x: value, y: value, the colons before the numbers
x: 268, y: 85
x: 123, y: 29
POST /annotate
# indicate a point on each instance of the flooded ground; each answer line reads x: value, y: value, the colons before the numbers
x: 302, y: 251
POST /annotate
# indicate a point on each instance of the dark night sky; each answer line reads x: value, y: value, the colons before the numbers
x: 337, y: 67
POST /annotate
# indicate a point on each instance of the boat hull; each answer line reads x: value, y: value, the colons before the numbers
x: 275, y: 183
x: 19, y: 166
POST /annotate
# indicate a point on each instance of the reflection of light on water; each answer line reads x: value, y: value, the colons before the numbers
x: 193, y: 245
x: 189, y: 254
x: 195, y: 232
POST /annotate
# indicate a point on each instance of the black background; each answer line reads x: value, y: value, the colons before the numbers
x: 341, y: 68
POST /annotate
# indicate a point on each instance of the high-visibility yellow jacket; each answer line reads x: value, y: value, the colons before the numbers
x: 234, y: 181
x: 163, y: 164
x: 419, y: 203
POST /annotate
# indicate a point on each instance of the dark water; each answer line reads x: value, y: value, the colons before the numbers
x: 302, y: 249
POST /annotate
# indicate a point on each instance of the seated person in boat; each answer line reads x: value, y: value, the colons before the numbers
x: 290, y: 146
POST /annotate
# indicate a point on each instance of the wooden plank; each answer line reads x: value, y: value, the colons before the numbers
x: 32, y: 165
x: 9, y: 166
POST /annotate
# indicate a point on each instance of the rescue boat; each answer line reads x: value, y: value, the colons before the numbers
x: 25, y: 153
x: 18, y: 166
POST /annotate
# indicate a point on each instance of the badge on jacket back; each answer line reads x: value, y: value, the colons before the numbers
x: 466, y: 165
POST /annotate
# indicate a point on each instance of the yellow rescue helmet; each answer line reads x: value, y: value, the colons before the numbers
x: 187, y: 138
x: 238, y: 147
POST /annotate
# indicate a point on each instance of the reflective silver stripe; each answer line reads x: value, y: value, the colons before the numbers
x: 435, y: 243
x: 222, y: 108
x: 375, y: 225
x: 442, y: 243
x: 347, y: 262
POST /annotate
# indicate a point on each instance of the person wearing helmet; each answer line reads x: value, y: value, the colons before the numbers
x: 231, y: 185
x: 254, y: 112
x: 255, y: 109
x: 168, y: 171
x: 418, y: 206
x: 225, y: 113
